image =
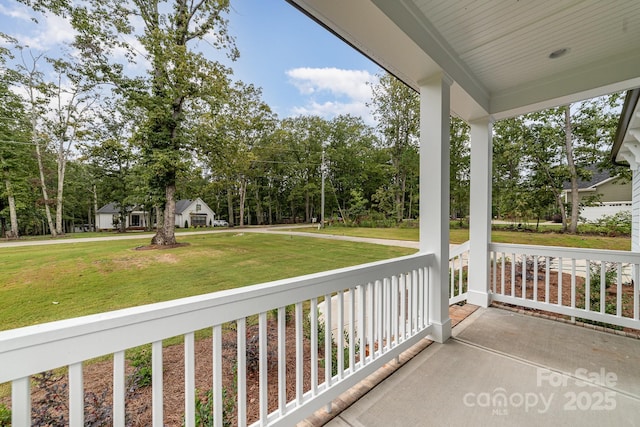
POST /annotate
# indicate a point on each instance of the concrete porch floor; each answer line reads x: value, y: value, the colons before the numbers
x: 507, y: 369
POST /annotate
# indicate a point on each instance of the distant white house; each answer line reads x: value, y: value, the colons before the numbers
x: 195, y: 213
x: 188, y: 212
x: 602, y: 195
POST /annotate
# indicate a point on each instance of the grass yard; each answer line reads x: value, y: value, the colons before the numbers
x: 45, y: 283
x: 461, y: 235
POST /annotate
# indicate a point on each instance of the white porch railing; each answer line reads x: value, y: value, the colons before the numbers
x: 458, y: 276
x: 597, y: 285
x: 392, y: 297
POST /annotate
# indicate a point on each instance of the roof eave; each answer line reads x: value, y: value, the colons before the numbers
x: 628, y: 109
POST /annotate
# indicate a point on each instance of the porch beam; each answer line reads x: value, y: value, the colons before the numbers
x: 480, y: 211
x: 435, y: 105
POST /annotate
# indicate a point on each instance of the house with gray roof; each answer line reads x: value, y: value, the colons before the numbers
x: 189, y: 213
x: 601, y: 195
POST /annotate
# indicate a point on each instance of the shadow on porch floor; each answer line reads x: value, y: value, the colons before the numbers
x: 502, y: 369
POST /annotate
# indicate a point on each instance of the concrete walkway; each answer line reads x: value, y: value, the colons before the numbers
x: 506, y: 369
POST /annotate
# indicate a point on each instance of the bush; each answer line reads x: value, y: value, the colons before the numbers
x: 5, y: 416
x: 617, y: 224
x: 204, y: 409
x: 140, y: 359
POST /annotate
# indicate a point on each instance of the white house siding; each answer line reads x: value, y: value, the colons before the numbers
x: 186, y: 214
x: 104, y: 221
x: 593, y: 213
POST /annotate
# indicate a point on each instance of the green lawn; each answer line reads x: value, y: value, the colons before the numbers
x: 458, y: 236
x: 45, y: 283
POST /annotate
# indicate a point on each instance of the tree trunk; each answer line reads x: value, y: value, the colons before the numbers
x: 95, y: 207
x: 242, y: 193
x: 307, y: 206
x: 230, y: 207
x: 165, y: 233
x: 563, y: 212
x: 62, y: 166
x: 13, y: 233
x: 45, y: 195
x: 270, y: 209
x: 123, y: 219
x: 259, y: 213
x: 575, y: 199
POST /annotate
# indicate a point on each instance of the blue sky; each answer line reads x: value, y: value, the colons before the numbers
x: 301, y: 67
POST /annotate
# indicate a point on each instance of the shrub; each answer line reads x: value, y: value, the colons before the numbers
x: 5, y: 416
x: 140, y: 359
x: 204, y: 409
x: 616, y: 224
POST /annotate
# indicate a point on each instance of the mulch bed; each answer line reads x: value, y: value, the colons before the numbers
x: 565, y: 291
x: 50, y: 400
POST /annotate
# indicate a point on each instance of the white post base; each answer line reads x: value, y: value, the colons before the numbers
x: 441, y: 331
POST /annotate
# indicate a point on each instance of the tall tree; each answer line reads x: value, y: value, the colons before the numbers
x: 459, y: 169
x: 568, y: 142
x: 37, y: 92
x: 510, y: 137
x: 304, y: 138
x: 354, y: 160
x: 228, y: 137
x: 67, y: 122
x: 177, y: 73
x: 397, y: 109
x: 14, y: 146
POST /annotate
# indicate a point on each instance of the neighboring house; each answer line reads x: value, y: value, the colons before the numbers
x: 108, y: 217
x: 192, y: 212
x: 602, y: 195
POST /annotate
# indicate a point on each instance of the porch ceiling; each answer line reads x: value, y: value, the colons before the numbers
x: 497, y: 52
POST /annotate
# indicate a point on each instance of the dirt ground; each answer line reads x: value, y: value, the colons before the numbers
x: 49, y: 401
x: 560, y: 285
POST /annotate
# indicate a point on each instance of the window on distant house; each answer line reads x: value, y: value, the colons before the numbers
x: 199, y: 220
x: 135, y: 220
x: 198, y: 208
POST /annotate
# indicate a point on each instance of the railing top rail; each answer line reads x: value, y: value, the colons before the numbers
x: 74, y: 340
x: 459, y: 250
x: 559, y: 251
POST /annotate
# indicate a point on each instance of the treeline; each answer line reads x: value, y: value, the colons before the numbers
x: 80, y: 130
x: 249, y: 165
x: 253, y: 168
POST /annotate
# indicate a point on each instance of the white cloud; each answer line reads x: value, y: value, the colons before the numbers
x: 15, y: 12
x: 350, y: 83
x: 333, y: 108
x: 333, y: 91
x: 49, y: 32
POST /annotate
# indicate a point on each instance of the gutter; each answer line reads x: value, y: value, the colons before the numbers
x: 630, y: 102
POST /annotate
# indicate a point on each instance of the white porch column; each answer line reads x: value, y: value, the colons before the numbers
x: 480, y: 212
x: 434, y: 197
